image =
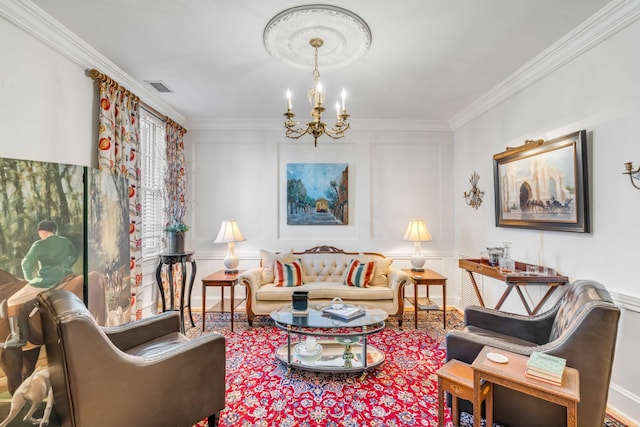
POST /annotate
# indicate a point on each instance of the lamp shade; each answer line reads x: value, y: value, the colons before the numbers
x: 229, y: 232
x: 417, y: 232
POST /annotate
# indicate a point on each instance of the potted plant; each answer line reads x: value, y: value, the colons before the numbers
x: 175, y: 237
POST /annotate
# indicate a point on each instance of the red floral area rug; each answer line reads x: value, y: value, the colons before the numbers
x: 400, y: 392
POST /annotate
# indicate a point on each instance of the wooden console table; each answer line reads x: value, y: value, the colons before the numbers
x: 513, y: 281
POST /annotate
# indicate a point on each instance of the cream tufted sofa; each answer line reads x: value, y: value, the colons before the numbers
x: 323, y: 268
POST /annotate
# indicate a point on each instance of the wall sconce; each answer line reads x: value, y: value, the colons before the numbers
x: 633, y: 174
x: 474, y: 198
x: 230, y: 233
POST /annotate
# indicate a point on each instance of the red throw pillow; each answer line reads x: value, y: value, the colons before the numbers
x: 359, y: 274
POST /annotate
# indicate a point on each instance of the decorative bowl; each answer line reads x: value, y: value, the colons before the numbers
x: 302, y: 352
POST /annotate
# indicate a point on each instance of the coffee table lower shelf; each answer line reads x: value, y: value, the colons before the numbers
x: 335, y: 357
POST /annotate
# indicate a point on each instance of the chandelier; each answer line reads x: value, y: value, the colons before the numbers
x: 344, y: 38
x: 316, y: 126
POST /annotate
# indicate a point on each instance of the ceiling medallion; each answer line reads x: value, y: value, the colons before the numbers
x: 346, y: 37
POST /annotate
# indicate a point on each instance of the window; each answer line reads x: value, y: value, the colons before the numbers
x: 153, y: 169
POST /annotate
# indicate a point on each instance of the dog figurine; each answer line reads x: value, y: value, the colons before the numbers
x: 34, y: 389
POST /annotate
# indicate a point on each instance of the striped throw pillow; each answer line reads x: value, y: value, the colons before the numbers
x: 288, y: 274
x: 359, y: 274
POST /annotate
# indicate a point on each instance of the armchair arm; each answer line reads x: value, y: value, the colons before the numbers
x: 252, y: 278
x: 466, y: 346
x: 529, y: 328
x: 134, y: 333
x: 398, y: 279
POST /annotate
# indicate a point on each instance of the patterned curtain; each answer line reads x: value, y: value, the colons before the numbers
x: 176, y: 186
x: 118, y: 148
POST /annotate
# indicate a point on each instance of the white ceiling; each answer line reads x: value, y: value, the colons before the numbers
x: 429, y: 59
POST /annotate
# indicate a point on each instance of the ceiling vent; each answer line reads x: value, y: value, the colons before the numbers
x: 159, y: 86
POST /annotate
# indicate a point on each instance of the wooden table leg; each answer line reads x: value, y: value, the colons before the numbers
x: 572, y: 414
x: 489, y: 405
x: 444, y: 306
x: 544, y: 299
x: 204, y: 302
x: 232, y: 304
x: 415, y: 304
x: 504, y: 295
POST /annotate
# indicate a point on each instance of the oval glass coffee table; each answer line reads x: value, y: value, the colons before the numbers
x: 323, y: 343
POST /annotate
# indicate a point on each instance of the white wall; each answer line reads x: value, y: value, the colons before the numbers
x: 393, y: 177
x: 600, y: 92
x: 46, y: 103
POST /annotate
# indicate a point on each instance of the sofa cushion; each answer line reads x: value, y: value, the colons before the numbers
x: 287, y: 274
x: 359, y: 274
x: 381, y: 274
x: 324, y: 290
x: 267, y: 262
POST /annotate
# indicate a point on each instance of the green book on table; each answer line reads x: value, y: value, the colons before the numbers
x: 546, y: 364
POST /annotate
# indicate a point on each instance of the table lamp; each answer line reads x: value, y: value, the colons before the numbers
x: 230, y: 233
x: 417, y: 232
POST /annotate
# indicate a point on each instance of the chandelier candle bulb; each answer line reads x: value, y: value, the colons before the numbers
x: 289, y: 99
x: 338, y: 110
x: 344, y: 100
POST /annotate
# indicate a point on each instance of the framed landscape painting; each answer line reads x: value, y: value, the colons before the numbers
x: 543, y: 185
x: 317, y: 193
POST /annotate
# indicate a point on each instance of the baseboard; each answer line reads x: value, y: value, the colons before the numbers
x: 627, y: 405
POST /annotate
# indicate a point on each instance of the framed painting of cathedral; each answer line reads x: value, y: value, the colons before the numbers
x: 543, y: 185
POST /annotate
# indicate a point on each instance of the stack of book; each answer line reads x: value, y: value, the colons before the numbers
x: 545, y: 367
x: 345, y: 312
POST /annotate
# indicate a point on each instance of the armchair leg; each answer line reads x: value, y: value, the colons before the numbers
x: 213, y: 420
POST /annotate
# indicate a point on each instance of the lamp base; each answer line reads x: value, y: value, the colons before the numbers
x: 418, y: 270
x: 227, y: 272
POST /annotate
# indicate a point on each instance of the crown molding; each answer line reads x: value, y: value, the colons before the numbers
x: 362, y: 125
x: 26, y: 15
x: 612, y: 18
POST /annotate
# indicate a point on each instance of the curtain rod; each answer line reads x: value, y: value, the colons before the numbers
x: 101, y: 77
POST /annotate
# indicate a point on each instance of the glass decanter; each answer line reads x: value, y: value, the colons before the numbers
x: 507, y: 264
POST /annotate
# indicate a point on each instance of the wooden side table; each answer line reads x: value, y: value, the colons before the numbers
x: 429, y: 278
x: 456, y: 378
x: 512, y: 375
x: 169, y: 260
x: 221, y: 280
